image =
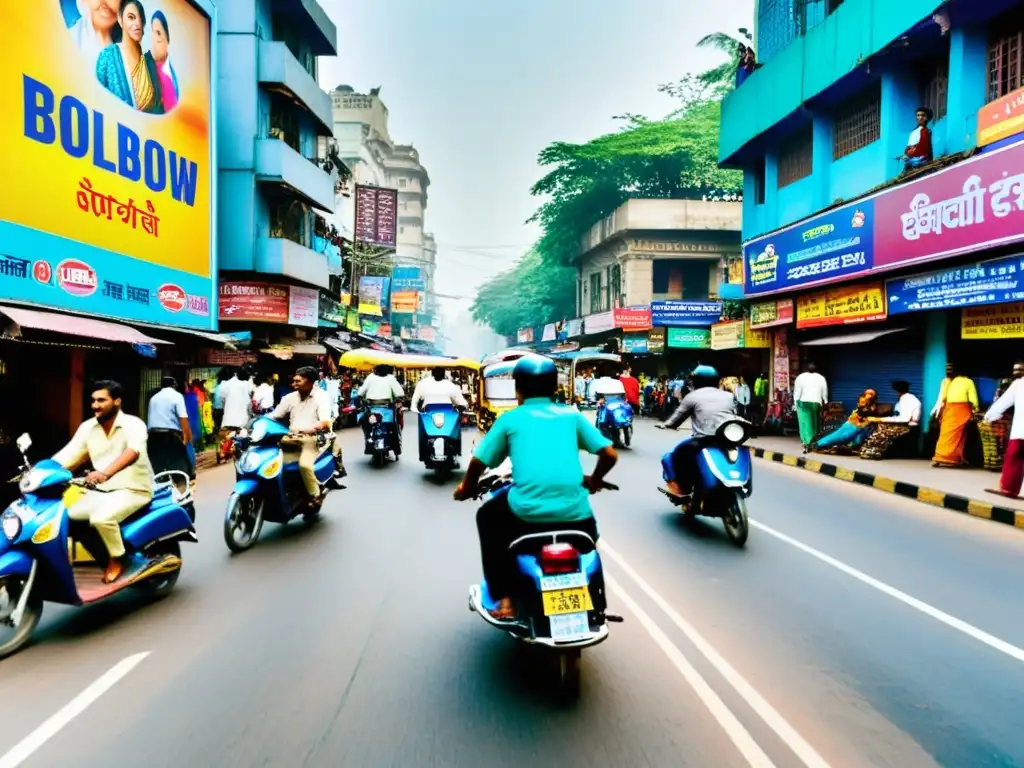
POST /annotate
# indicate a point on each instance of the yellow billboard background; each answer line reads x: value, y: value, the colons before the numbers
x: 42, y: 181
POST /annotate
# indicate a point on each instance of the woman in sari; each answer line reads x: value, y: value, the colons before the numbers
x: 168, y: 77
x: 958, y: 401
x: 856, y: 429
x: 127, y: 72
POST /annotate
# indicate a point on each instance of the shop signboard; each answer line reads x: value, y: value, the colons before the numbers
x: 550, y: 333
x: 680, y: 312
x: 574, y: 327
x: 107, y: 205
x: 656, y: 341
x: 843, y: 305
x: 303, y: 306
x: 254, y: 302
x: 352, y: 322
x: 407, y: 279
x: 781, y: 360
x: 767, y: 314
x: 1001, y: 118
x: 524, y: 336
x: 1001, y: 321
x: 599, y: 323
x: 371, y: 296
x: 404, y: 302
x: 376, y: 216
x: 635, y: 343
x: 426, y: 333
x: 632, y: 318
x: 688, y: 338
x: 756, y: 338
x: 728, y: 335
x: 330, y: 311
x: 370, y: 326
x: 986, y: 282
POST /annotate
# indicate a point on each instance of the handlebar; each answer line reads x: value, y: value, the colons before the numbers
x: 494, y: 482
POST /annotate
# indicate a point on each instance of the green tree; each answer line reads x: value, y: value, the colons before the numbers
x: 722, y: 78
x: 531, y: 293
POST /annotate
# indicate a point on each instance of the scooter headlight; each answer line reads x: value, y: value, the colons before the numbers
x: 10, y: 524
x: 438, y: 420
x: 735, y: 433
x: 249, y: 462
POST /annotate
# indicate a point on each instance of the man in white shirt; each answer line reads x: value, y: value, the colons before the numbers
x: 1013, y: 460
x: 810, y: 393
x: 263, y: 397
x: 434, y: 390
x: 908, y: 408
x: 169, y: 430
x: 742, y: 397
x: 236, y: 394
x: 607, y: 388
x: 382, y: 387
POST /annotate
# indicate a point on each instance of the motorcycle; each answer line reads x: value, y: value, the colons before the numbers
x: 561, y: 601
x: 268, y: 489
x: 615, y: 420
x: 724, y: 480
x: 382, y: 433
x: 47, y: 557
x: 442, y: 425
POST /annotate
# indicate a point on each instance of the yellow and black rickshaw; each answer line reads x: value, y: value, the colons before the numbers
x: 497, y: 390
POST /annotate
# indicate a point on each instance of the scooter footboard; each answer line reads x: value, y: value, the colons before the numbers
x: 156, y: 525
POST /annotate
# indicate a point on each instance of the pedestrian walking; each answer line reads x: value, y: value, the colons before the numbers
x: 957, y: 403
x: 810, y: 393
x: 1013, y: 460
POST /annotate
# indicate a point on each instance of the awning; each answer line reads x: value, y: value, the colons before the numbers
x: 218, y: 338
x: 337, y: 344
x: 288, y: 351
x: 76, y: 325
x: 850, y: 338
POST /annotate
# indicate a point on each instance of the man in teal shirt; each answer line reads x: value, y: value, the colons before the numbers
x: 549, y: 491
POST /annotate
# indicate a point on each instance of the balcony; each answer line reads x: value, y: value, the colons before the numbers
x: 312, y: 22
x: 277, y: 163
x: 280, y: 71
x: 279, y: 256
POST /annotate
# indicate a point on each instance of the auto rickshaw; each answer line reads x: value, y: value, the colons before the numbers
x: 497, y: 390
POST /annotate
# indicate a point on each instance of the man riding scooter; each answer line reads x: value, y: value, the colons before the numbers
x: 382, y: 388
x: 436, y: 390
x: 708, y: 407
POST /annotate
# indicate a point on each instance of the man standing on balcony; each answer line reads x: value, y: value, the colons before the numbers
x: 919, y: 146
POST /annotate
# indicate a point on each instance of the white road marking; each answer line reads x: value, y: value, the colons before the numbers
x: 740, y: 736
x: 970, y: 630
x: 787, y: 733
x: 24, y: 749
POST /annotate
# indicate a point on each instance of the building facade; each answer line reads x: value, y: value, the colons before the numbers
x: 877, y: 266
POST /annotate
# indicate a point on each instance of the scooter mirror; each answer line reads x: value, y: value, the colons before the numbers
x: 24, y: 442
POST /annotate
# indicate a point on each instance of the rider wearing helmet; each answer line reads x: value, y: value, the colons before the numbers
x: 708, y: 407
x: 549, y: 490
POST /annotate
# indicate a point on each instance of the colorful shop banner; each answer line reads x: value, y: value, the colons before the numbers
x: 689, y: 338
x: 106, y: 206
x: 254, y: 302
x: 768, y: 314
x: 727, y: 335
x: 303, y: 306
x: 843, y: 305
x: 834, y: 245
x: 987, y: 282
x: 370, y: 326
x: 656, y: 341
x: 599, y: 323
x: 407, y: 279
x: 331, y: 313
x: 1001, y: 118
x: 573, y: 327
x: 635, y: 343
x: 1003, y: 321
x: 677, y: 312
x: 756, y: 338
x: 550, y: 333
x: 524, y: 336
x: 632, y: 318
x: 371, y: 296
x: 405, y: 302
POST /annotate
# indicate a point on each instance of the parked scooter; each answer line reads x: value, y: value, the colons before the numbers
x: 561, y: 601
x: 268, y: 489
x: 38, y: 548
x: 724, y: 480
x: 383, y: 437
x: 442, y: 424
x: 615, y: 420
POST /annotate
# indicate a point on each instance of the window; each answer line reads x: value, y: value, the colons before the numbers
x: 796, y: 157
x: 403, y: 182
x: 759, y: 181
x: 595, y: 292
x: 857, y: 123
x: 933, y: 81
x: 1006, y: 55
x: 614, y: 292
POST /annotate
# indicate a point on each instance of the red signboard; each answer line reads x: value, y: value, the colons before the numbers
x: 257, y: 302
x: 376, y: 216
x: 633, y: 318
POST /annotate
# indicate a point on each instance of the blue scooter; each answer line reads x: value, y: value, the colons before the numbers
x: 46, y: 556
x: 615, y: 420
x: 383, y: 436
x: 724, y: 480
x: 441, y: 423
x: 268, y: 489
x: 561, y: 603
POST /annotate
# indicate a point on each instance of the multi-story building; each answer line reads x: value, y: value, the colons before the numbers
x: 893, y: 267
x: 276, y: 186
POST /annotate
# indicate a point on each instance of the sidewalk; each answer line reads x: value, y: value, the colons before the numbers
x: 960, y: 490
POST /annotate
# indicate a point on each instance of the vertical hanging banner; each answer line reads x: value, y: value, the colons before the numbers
x: 376, y: 216
x: 371, y: 300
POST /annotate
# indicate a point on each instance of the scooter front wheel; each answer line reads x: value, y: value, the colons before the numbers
x: 243, y: 522
x: 737, y: 526
x: 14, y: 636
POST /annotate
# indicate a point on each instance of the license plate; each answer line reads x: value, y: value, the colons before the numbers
x: 559, y: 602
x: 380, y: 445
x: 563, y: 581
x: 570, y: 626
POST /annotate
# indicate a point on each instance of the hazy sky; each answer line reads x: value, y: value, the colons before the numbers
x: 481, y: 87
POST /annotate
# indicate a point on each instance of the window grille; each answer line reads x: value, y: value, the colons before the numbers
x: 796, y: 157
x: 857, y: 123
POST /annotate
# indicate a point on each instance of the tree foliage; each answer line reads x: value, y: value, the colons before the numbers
x: 722, y: 78
x: 533, y: 292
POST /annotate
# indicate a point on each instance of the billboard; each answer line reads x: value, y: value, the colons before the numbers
x: 376, y: 216
x: 107, y: 154
x: 678, y: 312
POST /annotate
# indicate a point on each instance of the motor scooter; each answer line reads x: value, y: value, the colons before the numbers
x: 560, y: 601
x: 268, y: 489
x: 615, y: 420
x: 724, y: 475
x: 383, y: 437
x: 45, y: 556
x: 442, y: 426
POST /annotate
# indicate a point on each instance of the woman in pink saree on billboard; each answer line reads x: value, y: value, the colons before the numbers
x: 127, y: 72
x: 161, y: 33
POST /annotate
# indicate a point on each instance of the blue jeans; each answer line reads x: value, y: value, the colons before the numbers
x: 848, y: 434
x: 678, y: 465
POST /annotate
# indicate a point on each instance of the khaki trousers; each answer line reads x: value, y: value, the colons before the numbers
x: 105, y: 511
x: 305, y: 448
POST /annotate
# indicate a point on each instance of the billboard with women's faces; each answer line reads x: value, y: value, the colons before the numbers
x: 106, y: 146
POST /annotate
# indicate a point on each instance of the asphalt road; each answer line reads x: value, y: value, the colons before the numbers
x: 856, y: 629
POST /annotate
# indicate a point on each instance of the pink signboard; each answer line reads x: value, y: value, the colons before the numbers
x: 376, y: 220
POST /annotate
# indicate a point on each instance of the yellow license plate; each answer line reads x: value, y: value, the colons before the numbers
x: 561, y: 601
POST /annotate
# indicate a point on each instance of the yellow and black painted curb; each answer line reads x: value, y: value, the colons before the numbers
x: 936, y: 498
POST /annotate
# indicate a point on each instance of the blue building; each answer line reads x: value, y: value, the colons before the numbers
x: 839, y: 231
x: 276, y: 174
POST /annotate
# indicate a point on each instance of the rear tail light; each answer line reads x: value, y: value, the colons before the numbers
x: 559, y: 558
x: 374, y: 418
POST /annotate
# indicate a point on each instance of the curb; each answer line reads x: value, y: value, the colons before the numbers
x: 932, y: 496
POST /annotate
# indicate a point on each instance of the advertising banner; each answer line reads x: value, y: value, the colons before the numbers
x: 1001, y: 118
x: 426, y: 333
x: 841, y: 306
x: 107, y: 200
x: 407, y: 279
x: 254, y: 302
x: 767, y: 314
x: 574, y: 327
x: 756, y: 338
x: 632, y: 318
x: 656, y: 341
x: 405, y: 302
x: 370, y: 326
x: 550, y: 333
x: 371, y: 296
x: 524, y: 336
x: 376, y: 216
x: 727, y: 335
x: 303, y: 306
x: 352, y: 321
x: 599, y: 323
x: 677, y: 312
x: 987, y: 282
x: 689, y: 338
x: 634, y: 343
x: 1003, y: 321
x: 331, y: 312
